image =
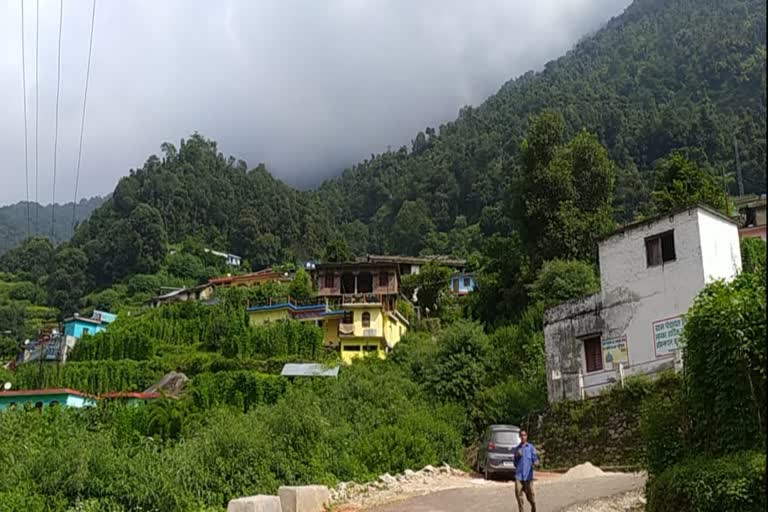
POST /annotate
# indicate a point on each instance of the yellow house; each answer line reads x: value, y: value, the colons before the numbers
x: 355, y: 330
x: 368, y: 328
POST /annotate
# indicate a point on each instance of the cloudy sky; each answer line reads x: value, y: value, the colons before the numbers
x: 308, y: 87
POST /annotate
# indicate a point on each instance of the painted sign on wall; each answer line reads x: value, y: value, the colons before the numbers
x: 666, y: 335
x: 614, y: 352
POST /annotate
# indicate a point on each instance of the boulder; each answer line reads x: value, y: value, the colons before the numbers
x: 255, y: 504
x: 306, y: 498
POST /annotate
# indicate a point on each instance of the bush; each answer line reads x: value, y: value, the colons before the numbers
x: 664, y: 426
x: 725, y: 365
x: 704, y: 484
x: 753, y: 254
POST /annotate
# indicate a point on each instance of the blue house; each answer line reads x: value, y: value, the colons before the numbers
x: 44, y: 398
x: 462, y: 283
x: 76, y: 326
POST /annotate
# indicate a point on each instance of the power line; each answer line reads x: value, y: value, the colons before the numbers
x: 37, y: 109
x: 56, y: 124
x: 82, y: 118
x: 24, y: 89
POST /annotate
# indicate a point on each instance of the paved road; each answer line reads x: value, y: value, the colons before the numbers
x: 551, y: 496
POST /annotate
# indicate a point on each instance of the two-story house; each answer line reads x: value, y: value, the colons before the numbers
x: 77, y: 326
x: 650, y: 274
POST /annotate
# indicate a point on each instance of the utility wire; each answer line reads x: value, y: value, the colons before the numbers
x: 24, y: 89
x: 37, y: 109
x: 56, y: 124
x: 82, y: 118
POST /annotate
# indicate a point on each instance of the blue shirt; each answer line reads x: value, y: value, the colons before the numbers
x: 525, y: 456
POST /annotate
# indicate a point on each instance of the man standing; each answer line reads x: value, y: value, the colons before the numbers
x: 525, y: 458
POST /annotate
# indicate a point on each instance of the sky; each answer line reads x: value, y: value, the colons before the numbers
x: 306, y: 87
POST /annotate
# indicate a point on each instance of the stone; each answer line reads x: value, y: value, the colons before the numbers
x: 305, y: 498
x: 387, y: 479
x: 409, y: 473
x: 428, y: 469
x: 259, y: 503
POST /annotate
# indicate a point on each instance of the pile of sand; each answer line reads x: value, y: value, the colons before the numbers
x: 171, y: 384
x: 586, y: 470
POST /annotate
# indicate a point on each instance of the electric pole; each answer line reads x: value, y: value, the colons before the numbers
x: 739, y: 179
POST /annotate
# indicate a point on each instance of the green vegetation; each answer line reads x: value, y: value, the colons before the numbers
x: 701, y: 436
x: 638, y: 119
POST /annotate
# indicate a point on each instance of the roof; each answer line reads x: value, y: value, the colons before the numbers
x: 261, y: 275
x: 309, y: 370
x: 48, y: 391
x: 650, y: 220
x: 83, y: 319
x: 287, y: 305
x: 132, y: 394
x: 505, y: 427
x: 415, y: 260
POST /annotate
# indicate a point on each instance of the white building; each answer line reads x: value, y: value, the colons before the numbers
x: 650, y: 273
x: 233, y: 260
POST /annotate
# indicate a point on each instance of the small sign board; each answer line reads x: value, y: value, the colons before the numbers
x: 614, y: 352
x: 666, y: 335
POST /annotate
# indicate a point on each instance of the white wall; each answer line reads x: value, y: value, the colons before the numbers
x: 634, y: 296
x: 720, y: 248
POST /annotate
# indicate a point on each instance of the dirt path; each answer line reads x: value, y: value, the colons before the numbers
x: 553, y: 494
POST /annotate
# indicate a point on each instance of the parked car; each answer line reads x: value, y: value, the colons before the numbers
x: 496, y: 455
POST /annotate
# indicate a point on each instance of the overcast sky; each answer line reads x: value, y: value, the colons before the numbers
x: 307, y: 87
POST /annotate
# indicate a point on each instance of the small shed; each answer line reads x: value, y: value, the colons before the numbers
x: 309, y: 370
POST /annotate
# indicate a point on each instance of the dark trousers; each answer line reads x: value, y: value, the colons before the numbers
x: 525, y: 487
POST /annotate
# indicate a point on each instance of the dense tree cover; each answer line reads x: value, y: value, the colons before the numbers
x: 562, y: 280
x: 724, y: 391
x: 663, y: 84
x: 680, y: 183
x: 753, y: 254
x: 13, y: 221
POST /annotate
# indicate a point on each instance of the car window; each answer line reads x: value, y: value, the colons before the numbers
x: 506, y: 437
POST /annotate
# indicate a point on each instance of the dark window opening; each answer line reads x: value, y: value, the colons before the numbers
x: 370, y: 348
x: 383, y: 279
x: 351, y: 348
x: 455, y: 285
x: 348, y: 283
x: 39, y: 406
x: 365, y: 282
x: 328, y: 281
x: 347, y: 318
x: 660, y: 249
x: 751, y: 217
x: 466, y: 282
x: 366, y: 319
x: 593, y: 354
x: 53, y: 403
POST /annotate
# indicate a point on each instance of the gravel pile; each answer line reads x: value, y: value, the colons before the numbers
x: 586, y: 470
x: 628, y: 502
x: 351, y: 491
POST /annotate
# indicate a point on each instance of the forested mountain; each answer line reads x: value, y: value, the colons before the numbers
x: 13, y: 220
x: 666, y: 76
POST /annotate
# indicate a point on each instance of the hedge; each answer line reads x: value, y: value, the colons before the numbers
x: 704, y: 484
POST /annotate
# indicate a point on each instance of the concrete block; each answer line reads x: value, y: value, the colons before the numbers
x: 255, y: 504
x: 307, y: 498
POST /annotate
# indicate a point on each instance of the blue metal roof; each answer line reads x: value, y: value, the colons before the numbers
x: 309, y: 370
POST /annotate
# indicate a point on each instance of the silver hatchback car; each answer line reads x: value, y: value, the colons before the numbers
x: 496, y: 455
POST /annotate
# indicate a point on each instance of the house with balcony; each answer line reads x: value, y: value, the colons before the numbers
x: 358, y: 282
x: 650, y: 273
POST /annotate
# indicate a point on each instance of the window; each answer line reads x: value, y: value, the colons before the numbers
x: 384, y: 279
x: 366, y: 319
x: 466, y: 282
x: 328, y: 281
x: 506, y: 437
x: 53, y: 403
x: 456, y: 285
x: 347, y: 318
x: 85, y: 331
x: 39, y: 406
x: 593, y: 354
x: 351, y: 348
x: 660, y: 248
x: 370, y: 348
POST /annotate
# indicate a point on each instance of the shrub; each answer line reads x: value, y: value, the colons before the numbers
x: 704, y: 484
x: 725, y: 365
x: 664, y: 426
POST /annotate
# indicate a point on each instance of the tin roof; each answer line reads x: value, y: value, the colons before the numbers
x: 309, y: 370
x: 132, y: 394
x: 48, y: 391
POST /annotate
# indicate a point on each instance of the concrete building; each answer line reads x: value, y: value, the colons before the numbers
x: 752, y: 216
x: 650, y: 273
x: 44, y: 398
x: 462, y: 283
x: 78, y: 326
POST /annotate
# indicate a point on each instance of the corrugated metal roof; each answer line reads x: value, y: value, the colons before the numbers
x: 309, y: 370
